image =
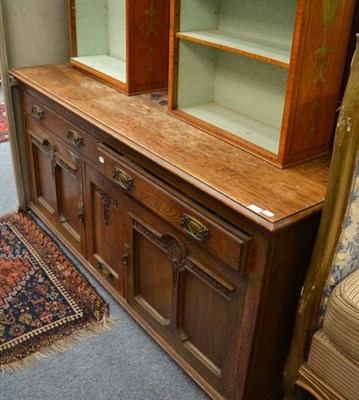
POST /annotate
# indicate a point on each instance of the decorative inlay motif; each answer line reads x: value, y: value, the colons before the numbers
x: 151, y: 23
x: 322, y: 57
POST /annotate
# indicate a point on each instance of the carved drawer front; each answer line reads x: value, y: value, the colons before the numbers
x: 197, y: 224
x: 74, y: 137
x: 175, y: 288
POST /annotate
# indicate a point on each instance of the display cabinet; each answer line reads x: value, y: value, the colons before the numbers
x: 263, y: 76
x: 123, y: 43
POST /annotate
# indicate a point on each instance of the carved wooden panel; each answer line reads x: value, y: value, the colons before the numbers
x: 104, y: 205
x: 170, y: 282
x: 68, y: 174
x: 44, y: 190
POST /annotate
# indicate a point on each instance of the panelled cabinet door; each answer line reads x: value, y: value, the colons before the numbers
x: 56, y: 184
x: 67, y: 169
x: 104, y: 219
x: 43, y: 186
x: 170, y: 283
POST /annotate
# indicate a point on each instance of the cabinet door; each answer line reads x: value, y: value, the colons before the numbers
x: 56, y: 184
x: 171, y: 283
x: 104, y: 221
x: 67, y: 170
x: 42, y: 178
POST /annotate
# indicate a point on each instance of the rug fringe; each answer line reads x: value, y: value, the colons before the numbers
x: 62, y: 345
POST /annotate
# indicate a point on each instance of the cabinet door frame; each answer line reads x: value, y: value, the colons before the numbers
x: 184, y: 258
x: 112, y: 197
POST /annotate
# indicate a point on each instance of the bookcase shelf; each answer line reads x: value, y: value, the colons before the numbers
x: 258, y: 48
x: 263, y: 75
x: 232, y: 93
x: 123, y: 43
x: 103, y: 64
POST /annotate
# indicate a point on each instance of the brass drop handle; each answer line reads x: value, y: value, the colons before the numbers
x: 75, y: 138
x: 194, y: 228
x: 105, y: 271
x: 81, y: 213
x: 122, y: 179
x: 37, y: 112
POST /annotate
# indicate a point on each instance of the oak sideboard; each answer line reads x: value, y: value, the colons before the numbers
x: 205, y: 245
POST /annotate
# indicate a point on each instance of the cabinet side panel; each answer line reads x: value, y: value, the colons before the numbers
x: 321, y: 60
x: 148, y: 45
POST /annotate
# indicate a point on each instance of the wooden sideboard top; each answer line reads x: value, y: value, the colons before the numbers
x: 230, y: 175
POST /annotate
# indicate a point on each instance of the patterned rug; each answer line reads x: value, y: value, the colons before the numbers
x: 45, y: 303
x: 3, y: 124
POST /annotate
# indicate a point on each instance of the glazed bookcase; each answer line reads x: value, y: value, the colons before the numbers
x: 123, y: 43
x: 264, y: 76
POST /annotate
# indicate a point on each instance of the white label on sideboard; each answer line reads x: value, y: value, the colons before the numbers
x: 268, y: 213
x: 102, y: 160
x: 255, y: 208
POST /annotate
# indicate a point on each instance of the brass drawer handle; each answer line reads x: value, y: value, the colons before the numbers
x: 75, y: 138
x: 105, y: 271
x: 37, y: 112
x: 194, y: 228
x: 121, y: 178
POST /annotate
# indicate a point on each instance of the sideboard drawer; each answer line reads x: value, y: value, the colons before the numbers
x: 73, y: 136
x: 205, y: 229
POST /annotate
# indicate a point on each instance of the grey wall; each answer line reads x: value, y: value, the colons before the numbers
x: 36, y: 32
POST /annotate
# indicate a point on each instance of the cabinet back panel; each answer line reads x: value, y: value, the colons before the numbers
x: 101, y: 28
x: 270, y: 20
x: 253, y: 88
x: 117, y: 28
x: 232, y: 92
x: 91, y: 27
x: 199, y: 15
x: 197, y: 66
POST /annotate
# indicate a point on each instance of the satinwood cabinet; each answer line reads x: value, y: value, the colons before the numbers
x: 205, y: 245
x: 123, y: 43
x: 262, y: 75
